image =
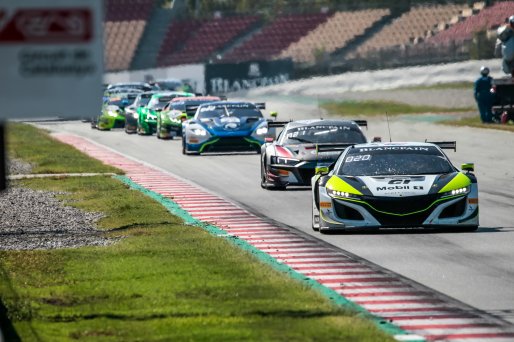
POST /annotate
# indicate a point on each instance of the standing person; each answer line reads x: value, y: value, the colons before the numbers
x: 483, y: 95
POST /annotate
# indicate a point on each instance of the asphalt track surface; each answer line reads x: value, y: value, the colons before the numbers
x: 474, y: 268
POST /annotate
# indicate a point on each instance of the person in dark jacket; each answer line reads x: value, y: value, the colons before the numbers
x: 483, y: 95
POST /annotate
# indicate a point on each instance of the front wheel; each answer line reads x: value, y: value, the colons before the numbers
x: 265, y: 184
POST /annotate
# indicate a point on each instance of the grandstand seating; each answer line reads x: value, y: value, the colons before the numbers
x: 335, y: 33
x: 410, y: 26
x: 124, y: 24
x: 201, y: 40
x: 125, y: 10
x: 488, y: 18
x: 275, y: 37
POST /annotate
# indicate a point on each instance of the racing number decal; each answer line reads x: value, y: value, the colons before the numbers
x: 363, y: 157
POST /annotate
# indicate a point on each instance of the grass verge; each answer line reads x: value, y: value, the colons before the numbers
x: 371, y: 108
x: 476, y: 122
x: 162, y: 281
x: 48, y: 155
x: 441, y: 86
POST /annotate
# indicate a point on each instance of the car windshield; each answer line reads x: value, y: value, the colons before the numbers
x: 322, y: 134
x: 120, y: 101
x: 394, y: 160
x: 218, y: 111
x: 143, y: 100
x: 159, y: 102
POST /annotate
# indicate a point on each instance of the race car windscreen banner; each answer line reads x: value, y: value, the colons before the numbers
x: 225, y: 78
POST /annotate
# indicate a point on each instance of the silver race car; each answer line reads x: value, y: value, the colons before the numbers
x: 395, y: 185
x: 302, y: 146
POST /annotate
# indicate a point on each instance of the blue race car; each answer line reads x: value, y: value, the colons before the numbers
x: 225, y: 127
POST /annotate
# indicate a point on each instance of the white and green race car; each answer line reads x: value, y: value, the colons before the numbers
x: 395, y: 185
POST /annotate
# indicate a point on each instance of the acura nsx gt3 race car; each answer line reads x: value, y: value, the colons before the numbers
x: 225, y: 127
x: 304, y: 145
x: 395, y: 185
x: 180, y: 109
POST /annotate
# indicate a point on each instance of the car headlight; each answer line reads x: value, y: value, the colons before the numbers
x: 199, y: 131
x: 284, y: 161
x: 261, y: 130
x: 457, y: 192
x: 341, y: 194
x: 135, y: 115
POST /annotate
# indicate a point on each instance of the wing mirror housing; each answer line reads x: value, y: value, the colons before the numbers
x: 469, y: 167
x: 377, y: 139
x: 322, y: 170
x: 273, y: 114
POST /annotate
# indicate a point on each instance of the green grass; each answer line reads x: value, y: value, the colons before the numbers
x: 162, y: 281
x: 37, y: 147
x: 476, y: 122
x: 371, y: 108
x: 441, y: 86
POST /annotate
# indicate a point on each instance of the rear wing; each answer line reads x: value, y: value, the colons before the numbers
x: 445, y: 145
x: 277, y: 124
x: 260, y: 105
x: 332, y: 147
x: 363, y: 123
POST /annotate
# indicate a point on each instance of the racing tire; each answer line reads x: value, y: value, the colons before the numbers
x: 185, y: 151
x: 315, y: 226
x: 264, y: 181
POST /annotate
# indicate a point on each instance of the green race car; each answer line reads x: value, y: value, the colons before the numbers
x: 180, y: 109
x: 113, y: 112
x: 147, y: 115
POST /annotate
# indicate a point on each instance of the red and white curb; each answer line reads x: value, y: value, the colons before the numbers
x: 416, y: 309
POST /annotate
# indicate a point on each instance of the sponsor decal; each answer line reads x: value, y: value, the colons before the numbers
x: 394, y: 148
x: 399, y: 187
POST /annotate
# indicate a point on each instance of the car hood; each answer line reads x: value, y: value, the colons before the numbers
x: 231, y: 126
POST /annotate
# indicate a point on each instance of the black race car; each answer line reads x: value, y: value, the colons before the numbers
x: 301, y: 147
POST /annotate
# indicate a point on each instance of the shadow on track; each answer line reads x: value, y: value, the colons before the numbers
x: 413, y: 231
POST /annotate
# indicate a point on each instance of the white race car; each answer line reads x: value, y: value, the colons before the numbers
x: 395, y: 185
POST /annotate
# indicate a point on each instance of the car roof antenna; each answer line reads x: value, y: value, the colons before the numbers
x: 389, y: 128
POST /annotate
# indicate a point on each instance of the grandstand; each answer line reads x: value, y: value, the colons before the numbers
x: 487, y: 19
x: 411, y: 25
x: 209, y: 36
x: 275, y: 37
x: 334, y: 34
x: 307, y: 34
x: 124, y: 23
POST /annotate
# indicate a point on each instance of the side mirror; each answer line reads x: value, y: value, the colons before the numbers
x: 269, y: 139
x: 377, y: 139
x: 322, y: 170
x: 273, y: 115
x: 469, y: 167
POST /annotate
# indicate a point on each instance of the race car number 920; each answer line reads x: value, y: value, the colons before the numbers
x: 363, y: 157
